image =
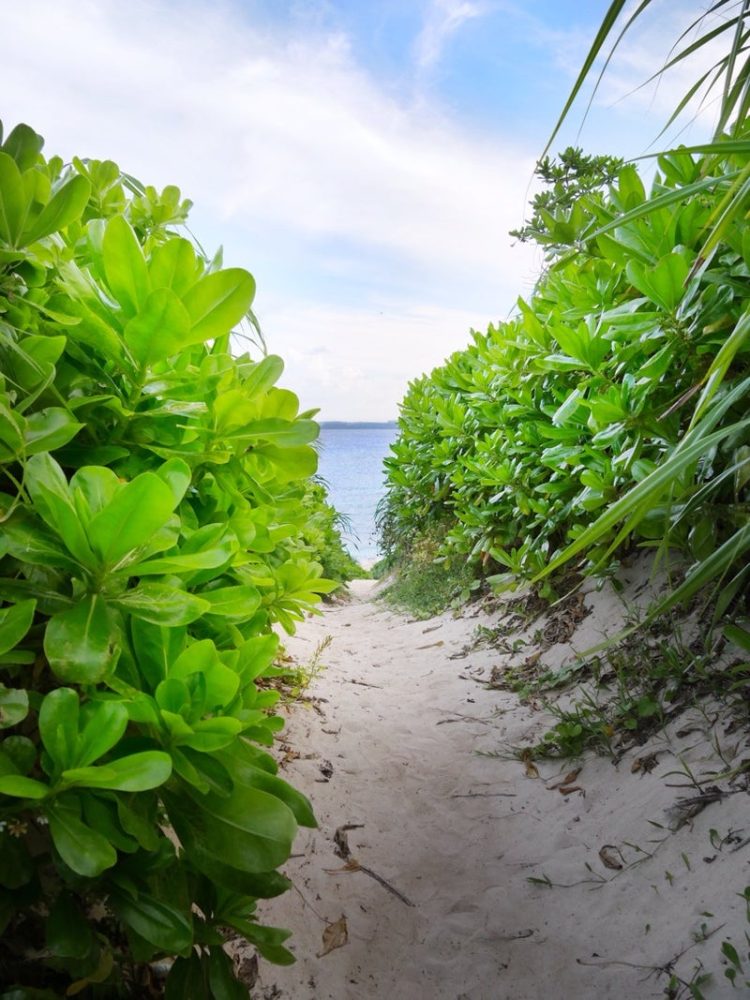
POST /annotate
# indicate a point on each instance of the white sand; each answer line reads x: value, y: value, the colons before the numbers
x: 459, y: 834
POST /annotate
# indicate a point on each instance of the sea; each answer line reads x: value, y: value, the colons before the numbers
x: 351, y: 464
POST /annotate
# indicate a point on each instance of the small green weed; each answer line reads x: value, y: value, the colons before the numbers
x: 298, y: 679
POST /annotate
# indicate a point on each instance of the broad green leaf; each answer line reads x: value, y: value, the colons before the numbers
x: 155, y: 648
x: 187, y: 979
x: 13, y: 201
x: 14, y: 706
x: 30, y: 541
x: 297, y: 462
x: 280, y: 432
x: 137, y: 772
x: 52, y: 499
x: 217, y: 303
x: 81, y: 644
x: 256, y: 655
x: 128, y: 521
x: 19, y: 787
x: 244, y: 772
x: 102, y: 726
x: 65, y: 206
x: 201, y: 657
x: 183, y: 562
x: 210, y: 735
x: 251, y: 830
x: 176, y: 474
x: 160, y: 328
x: 263, y: 375
x: 58, y: 726
x: 84, y: 850
x: 265, y: 885
x: 221, y: 979
x: 161, y: 604
x: 238, y: 603
x: 21, y: 751
x: 96, y: 485
x: 162, y: 924
x: 24, y: 145
x: 125, y: 265
x: 173, y: 265
x: 35, y: 357
x: 15, y: 622
x: 49, y: 429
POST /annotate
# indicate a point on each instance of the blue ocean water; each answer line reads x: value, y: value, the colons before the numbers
x: 351, y: 463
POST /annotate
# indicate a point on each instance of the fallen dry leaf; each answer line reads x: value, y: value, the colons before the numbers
x: 531, y: 769
x: 569, y: 789
x: 569, y: 778
x: 335, y: 935
x: 609, y: 858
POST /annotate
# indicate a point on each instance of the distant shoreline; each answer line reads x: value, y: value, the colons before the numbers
x: 330, y: 425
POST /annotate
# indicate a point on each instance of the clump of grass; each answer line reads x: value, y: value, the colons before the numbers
x: 424, y: 587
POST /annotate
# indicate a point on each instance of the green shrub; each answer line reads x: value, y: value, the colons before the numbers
x: 152, y: 530
x: 611, y: 410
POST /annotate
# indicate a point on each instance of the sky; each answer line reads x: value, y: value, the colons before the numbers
x: 364, y: 159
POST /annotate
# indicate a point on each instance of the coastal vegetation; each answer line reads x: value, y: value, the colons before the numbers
x: 610, y: 413
x: 157, y: 519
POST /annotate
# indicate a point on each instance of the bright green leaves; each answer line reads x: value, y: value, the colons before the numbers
x: 665, y: 282
x: 218, y: 302
x: 84, y: 850
x: 65, y: 206
x: 125, y: 265
x: 15, y: 622
x: 609, y: 412
x: 160, y: 329
x: 74, y: 737
x: 167, y: 306
x: 138, y: 772
x: 14, y: 706
x: 81, y: 644
x: 154, y: 522
x: 251, y: 830
x: 131, y: 517
x: 100, y: 520
x: 174, y: 266
x: 166, y: 927
x: 28, y: 210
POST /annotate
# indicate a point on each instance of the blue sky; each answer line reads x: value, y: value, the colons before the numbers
x: 365, y: 159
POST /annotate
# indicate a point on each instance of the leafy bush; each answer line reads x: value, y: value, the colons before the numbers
x: 152, y: 530
x: 612, y: 408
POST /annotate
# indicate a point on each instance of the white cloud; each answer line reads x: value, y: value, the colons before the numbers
x: 375, y: 353
x: 283, y: 141
x: 443, y: 19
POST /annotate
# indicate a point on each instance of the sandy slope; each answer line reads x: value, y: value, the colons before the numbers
x: 398, y: 717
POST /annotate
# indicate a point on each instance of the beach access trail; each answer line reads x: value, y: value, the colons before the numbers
x: 438, y: 871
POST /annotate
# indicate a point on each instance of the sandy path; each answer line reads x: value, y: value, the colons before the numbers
x: 399, y: 723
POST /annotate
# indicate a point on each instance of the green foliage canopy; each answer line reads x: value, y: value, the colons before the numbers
x: 154, y: 514
x: 611, y: 409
